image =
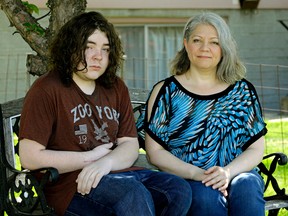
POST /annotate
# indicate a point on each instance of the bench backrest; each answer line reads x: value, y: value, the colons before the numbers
x: 20, y: 192
x: 9, y: 122
x: 10, y: 119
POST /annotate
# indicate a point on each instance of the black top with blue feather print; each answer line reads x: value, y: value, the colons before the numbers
x: 205, y: 130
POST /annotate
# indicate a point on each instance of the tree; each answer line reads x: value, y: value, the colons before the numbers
x: 20, y: 15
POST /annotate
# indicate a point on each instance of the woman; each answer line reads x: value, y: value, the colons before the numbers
x: 205, y: 124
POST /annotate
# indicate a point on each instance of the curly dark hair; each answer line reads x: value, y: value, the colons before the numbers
x: 67, y: 50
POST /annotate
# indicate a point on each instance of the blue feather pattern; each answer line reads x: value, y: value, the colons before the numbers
x: 206, y: 130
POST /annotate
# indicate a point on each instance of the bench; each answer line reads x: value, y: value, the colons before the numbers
x: 22, y: 194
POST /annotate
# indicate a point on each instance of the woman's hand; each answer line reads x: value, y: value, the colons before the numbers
x: 218, y: 178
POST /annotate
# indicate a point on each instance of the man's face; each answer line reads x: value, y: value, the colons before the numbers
x: 96, y: 55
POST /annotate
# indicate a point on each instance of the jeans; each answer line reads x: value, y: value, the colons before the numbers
x: 141, y: 193
x: 245, y: 197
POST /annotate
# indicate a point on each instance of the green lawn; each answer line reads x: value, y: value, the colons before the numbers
x: 277, y: 141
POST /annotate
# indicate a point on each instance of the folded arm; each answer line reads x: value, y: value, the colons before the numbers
x: 94, y: 163
x: 34, y: 155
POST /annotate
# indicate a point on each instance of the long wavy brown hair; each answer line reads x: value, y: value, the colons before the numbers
x: 67, y: 50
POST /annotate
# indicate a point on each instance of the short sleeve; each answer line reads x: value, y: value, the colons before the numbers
x: 157, y: 126
x: 127, y: 127
x: 38, y: 115
x: 255, y: 124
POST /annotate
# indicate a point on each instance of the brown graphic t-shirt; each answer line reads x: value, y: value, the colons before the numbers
x: 65, y: 118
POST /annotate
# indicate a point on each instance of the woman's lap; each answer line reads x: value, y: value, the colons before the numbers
x: 245, y: 197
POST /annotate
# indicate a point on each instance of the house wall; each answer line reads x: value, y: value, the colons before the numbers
x: 260, y: 36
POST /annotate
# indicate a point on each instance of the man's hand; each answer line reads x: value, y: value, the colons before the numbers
x: 91, y: 175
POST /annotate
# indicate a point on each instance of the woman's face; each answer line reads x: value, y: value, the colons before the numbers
x: 96, y: 55
x: 203, y: 48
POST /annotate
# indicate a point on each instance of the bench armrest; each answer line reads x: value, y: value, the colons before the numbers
x: 25, y: 191
x: 269, y: 169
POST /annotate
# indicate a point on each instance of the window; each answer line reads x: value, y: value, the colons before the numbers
x: 148, y: 51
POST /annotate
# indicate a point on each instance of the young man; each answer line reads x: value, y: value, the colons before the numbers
x: 78, y: 119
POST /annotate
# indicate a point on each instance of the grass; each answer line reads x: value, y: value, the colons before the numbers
x: 277, y: 141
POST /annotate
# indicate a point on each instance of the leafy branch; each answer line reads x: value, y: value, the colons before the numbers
x: 34, y: 28
x: 30, y: 7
